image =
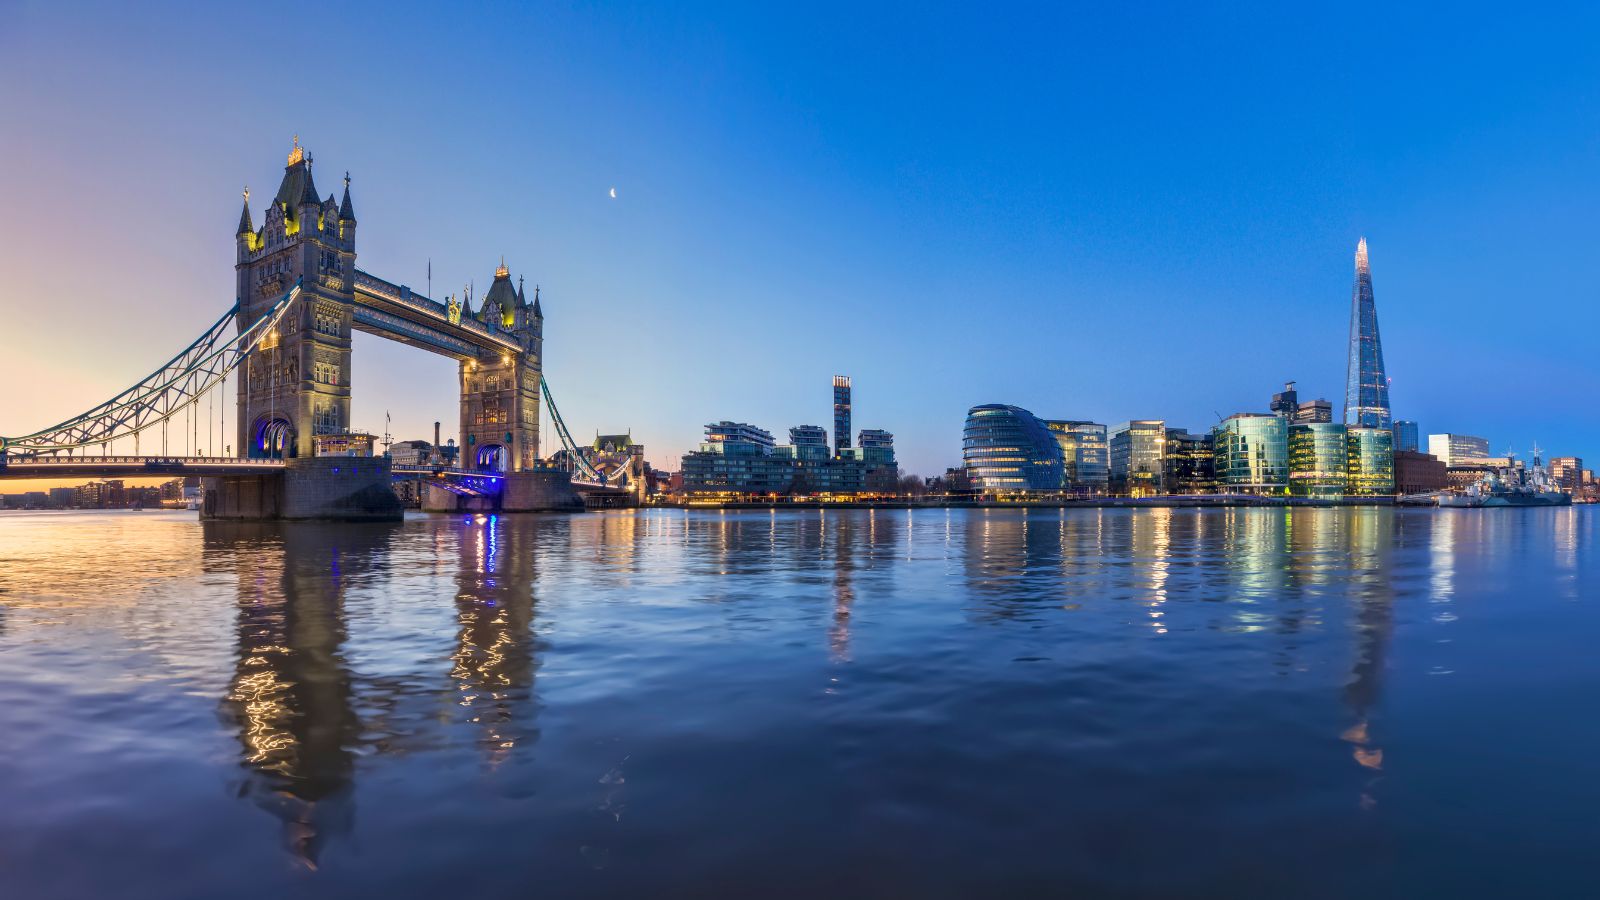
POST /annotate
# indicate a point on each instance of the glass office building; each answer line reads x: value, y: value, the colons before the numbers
x: 1252, y: 454
x: 1138, y: 452
x: 1366, y: 393
x: 1085, y: 466
x: 1007, y: 449
x: 1318, y: 460
x: 1458, y: 449
x: 1406, y: 437
x: 1190, y: 463
x: 1371, y: 462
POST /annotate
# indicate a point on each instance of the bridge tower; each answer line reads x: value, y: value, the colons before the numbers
x: 297, y: 384
x: 500, y: 397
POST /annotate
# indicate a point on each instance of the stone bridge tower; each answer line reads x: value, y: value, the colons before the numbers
x: 500, y: 397
x: 297, y: 385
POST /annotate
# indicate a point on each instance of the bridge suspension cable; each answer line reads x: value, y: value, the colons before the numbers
x: 577, y: 460
x: 177, y: 385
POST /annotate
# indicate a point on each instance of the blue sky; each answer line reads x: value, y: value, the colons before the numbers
x: 1104, y: 211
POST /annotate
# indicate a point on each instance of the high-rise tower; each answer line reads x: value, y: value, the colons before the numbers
x: 841, y: 413
x: 1366, y: 392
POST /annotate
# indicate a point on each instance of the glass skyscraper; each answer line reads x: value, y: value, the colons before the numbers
x: 1366, y: 390
x: 841, y: 414
x: 1405, y: 436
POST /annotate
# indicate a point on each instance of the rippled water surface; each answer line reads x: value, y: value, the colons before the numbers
x: 1220, y: 703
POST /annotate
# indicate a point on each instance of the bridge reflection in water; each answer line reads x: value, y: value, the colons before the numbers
x: 304, y: 715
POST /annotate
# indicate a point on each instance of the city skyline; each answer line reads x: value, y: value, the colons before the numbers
x: 931, y: 248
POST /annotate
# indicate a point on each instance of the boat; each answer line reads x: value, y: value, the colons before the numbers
x: 1511, y: 487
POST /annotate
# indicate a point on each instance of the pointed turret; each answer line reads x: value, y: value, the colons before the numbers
x: 522, y: 297
x: 537, y: 312
x: 500, y: 301
x: 245, y: 225
x: 347, y: 213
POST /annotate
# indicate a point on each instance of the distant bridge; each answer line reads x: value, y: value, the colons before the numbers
x: 286, y: 343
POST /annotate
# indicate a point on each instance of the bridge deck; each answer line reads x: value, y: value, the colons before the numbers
x: 136, y: 466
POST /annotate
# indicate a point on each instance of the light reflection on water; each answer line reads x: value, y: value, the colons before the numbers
x: 858, y: 703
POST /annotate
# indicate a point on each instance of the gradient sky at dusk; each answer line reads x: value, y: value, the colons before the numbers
x: 1106, y: 211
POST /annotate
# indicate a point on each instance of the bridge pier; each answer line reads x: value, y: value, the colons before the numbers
x: 341, y: 488
x: 542, y: 490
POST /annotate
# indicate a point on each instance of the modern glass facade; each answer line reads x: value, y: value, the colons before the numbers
x: 1366, y: 393
x: 1318, y: 460
x: 1406, y: 437
x: 1252, y: 454
x: 1007, y: 449
x: 1459, y: 449
x: 1138, y: 451
x: 1371, y: 462
x: 1085, y: 466
x: 1190, y: 463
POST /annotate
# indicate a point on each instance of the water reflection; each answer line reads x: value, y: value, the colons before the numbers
x: 495, y: 657
x: 294, y: 698
x: 291, y: 695
x: 1072, y: 695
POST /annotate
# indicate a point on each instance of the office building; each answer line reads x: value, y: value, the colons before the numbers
x: 1252, y: 454
x: 1371, y: 461
x: 1285, y: 402
x: 1405, y: 436
x: 1188, y: 464
x: 1366, y: 394
x: 1085, y: 464
x: 1313, y: 412
x: 1007, y: 449
x: 1138, y: 450
x: 1458, y: 449
x: 841, y: 413
x: 1567, y: 473
x: 1418, y: 473
x: 1318, y: 460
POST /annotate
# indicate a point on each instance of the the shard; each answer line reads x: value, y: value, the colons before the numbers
x: 1366, y: 391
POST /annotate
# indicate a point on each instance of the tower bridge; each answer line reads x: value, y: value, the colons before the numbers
x: 299, y: 299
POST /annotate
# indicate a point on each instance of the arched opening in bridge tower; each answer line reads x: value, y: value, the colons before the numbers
x: 272, y: 438
x: 490, y: 458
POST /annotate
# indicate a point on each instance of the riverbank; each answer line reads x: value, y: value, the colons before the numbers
x: 1197, y: 501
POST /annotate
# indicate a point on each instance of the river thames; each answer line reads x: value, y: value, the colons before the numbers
x: 1125, y: 703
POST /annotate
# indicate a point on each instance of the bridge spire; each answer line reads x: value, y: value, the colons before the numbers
x: 537, y: 313
x: 245, y: 225
x: 347, y: 212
